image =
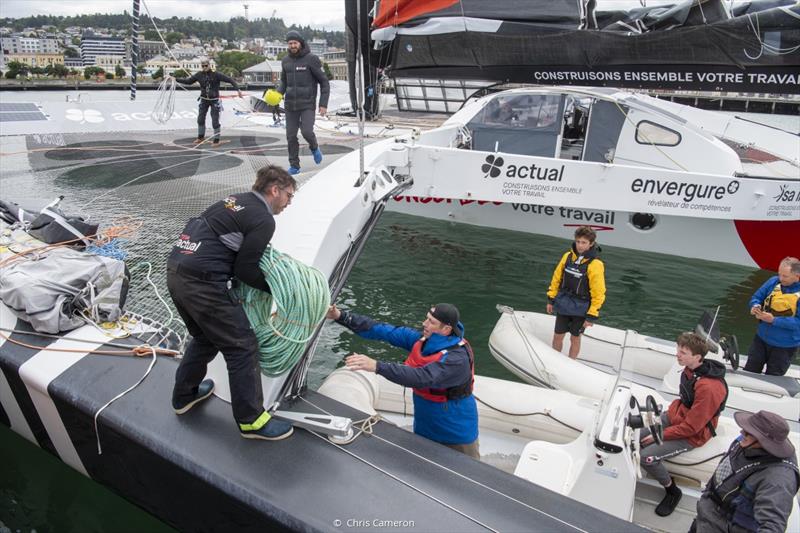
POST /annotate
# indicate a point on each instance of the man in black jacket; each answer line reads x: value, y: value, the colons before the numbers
x: 227, y: 241
x: 301, y: 72
x: 209, y: 98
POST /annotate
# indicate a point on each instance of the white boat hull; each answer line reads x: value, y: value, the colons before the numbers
x: 520, y: 422
x: 688, y: 237
x: 521, y: 342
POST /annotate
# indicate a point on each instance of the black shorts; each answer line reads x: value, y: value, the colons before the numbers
x: 573, y: 324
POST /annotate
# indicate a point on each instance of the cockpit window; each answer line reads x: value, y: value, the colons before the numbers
x: 520, y: 111
x: 651, y: 133
x: 519, y: 123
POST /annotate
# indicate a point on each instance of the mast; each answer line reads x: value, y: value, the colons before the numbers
x: 360, y: 57
x: 134, y: 47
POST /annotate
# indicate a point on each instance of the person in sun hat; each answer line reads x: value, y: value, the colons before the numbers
x: 209, y: 81
x: 301, y: 72
x: 754, y: 484
x: 440, y: 367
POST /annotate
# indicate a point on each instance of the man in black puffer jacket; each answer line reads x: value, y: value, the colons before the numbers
x: 209, y: 98
x: 300, y: 75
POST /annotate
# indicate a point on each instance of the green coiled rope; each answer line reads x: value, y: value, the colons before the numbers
x: 301, y: 296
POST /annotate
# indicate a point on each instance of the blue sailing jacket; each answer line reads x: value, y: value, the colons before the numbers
x: 450, y: 422
x: 784, y: 332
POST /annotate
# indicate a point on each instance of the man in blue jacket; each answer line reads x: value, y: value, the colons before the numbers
x: 440, y: 367
x: 301, y: 72
x: 775, y: 306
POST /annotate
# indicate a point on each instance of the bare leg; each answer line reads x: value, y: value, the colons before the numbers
x: 558, y: 341
x: 574, y: 346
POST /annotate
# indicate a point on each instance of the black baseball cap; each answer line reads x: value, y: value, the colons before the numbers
x: 447, y: 314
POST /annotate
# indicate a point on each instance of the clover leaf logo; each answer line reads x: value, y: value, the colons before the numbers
x: 91, y: 116
x: 492, y: 166
x: 733, y: 187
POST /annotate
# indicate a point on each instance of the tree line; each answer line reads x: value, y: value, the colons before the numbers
x: 237, y: 28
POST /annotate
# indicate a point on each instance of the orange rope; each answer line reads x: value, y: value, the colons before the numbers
x: 132, y: 147
x: 109, y: 233
x: 138, y: 351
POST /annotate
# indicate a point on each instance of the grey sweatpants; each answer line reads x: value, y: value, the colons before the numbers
x: 304, y: 121
x: 652, y: 457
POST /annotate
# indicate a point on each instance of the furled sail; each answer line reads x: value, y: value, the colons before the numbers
x: 694, y: 44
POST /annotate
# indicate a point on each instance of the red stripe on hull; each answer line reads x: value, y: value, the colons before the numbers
x: 769, y: 241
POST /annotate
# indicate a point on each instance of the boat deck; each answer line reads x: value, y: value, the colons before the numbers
x: 196, y: 473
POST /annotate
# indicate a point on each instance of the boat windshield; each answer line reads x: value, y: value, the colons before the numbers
x: 519, y: 123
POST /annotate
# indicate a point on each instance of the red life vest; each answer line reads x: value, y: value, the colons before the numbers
x: 415, y: 359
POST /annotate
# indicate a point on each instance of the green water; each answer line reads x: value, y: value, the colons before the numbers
x: 407, y: 265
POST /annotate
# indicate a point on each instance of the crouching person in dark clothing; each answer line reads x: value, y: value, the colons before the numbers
x: 755, y: 482
x: 216, y: 250
x: 440, y: 367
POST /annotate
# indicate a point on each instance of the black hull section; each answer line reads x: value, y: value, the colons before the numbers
x: 197, y: 474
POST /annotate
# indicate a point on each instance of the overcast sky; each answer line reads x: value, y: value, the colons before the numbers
x: 327, y: 14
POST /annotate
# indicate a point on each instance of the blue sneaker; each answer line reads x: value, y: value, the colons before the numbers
x: 204, y: 390
x: 272, y: 430
x: 317, y: 156
x: 294, y: 170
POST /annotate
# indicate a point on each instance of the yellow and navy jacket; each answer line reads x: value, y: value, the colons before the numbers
x: 782, y: 302
x: 592, y: 286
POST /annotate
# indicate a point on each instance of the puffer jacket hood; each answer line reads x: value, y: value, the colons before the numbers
x: 711, y: 368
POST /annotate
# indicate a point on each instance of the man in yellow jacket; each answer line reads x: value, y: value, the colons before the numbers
x: 577, y: 290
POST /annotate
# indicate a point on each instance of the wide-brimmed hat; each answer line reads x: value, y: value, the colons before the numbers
x: 771, y: 431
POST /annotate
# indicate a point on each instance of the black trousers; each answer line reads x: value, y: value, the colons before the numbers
x: 201, y: 117
x: 777, y: 359
x: 217, y: 323
x: 304, y: 121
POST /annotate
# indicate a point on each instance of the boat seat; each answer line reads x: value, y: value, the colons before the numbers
x: 547, y: 464
x: 750, y: 380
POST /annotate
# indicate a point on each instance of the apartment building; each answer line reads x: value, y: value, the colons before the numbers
x: 93, y: 46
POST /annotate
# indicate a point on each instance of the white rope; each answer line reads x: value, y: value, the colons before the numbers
x: 155, y: 289
x: 541, y: 368
x: 120, y: 395
x: 770, y: 49
x: 165, y: 103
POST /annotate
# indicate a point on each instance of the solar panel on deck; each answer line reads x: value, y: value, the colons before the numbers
x: 7, y: 107
x: 21, y: 117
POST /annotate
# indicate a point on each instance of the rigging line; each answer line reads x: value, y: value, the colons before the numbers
x: 120, y: 395
x: 449, y: 470
x: 646, y: 138
x: 540, y: 368
x: 155, y: 289
x: 153, y: 21
x: 55, y: 148
x: 121, y: 159
x: 533, y: 413
x: 406, y: 483
x: 127, y: 347
x: 90, y: 202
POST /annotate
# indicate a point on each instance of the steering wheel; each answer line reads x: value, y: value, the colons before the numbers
x: 730, y: 350
x: 652, y: 419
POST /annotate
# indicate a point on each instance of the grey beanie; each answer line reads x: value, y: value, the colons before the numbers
x: 294, y: 35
